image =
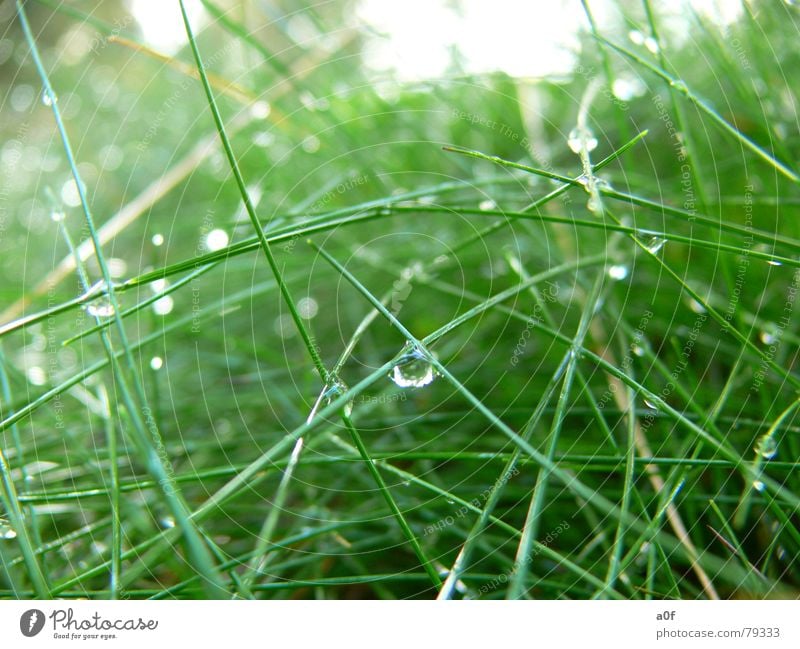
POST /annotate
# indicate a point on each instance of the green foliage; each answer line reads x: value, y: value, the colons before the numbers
x: 590, y: 278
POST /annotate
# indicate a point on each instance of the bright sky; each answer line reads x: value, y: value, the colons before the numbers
x: 415, y: 39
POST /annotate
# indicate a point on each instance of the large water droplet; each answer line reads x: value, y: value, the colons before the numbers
x: 618, y: 271
x: 655, y: 244
x: 581, y: 139
x: 766, y: 447
x: 758, y: 485
x: 414, y: 370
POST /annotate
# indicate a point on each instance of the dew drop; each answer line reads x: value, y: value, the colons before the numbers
x: 167, y: 522
x: 164, y: 305
x: 117, y: 267
x: 655, y: 244
x: 679, y: 85
x: 216, y: 240
x: 307, y: 307
x: 695, y: 306
x: 36, y: 375
x: 637, y: 350
x: 156, y: 363
x: 260, y: 110
x: 414, y: 370
x: 263, y: 139
x: 766, y: 447
x: 769, y: 336
x: 49, y: 97
x: 7, y: 532
x: 311, y: 144
x: 651, y: 44
x: 581, y: 139
x: 58, y: 216
x: 618, y: 271
x: 595, y: 205
x: 158, y: 240
x: 650, y: 404
x: 329, y: 394
x: 100, y: 308
x: 487, y: 205
x: 774, y: 262
x: 636, y: 37
x: 758, y: 485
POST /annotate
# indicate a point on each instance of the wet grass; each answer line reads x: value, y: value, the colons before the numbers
x: 513, y: 338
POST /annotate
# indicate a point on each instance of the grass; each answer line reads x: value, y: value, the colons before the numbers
x: 606, y: 326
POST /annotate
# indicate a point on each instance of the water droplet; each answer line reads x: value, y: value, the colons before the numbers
x: 329, y: 394
x: 655, y: 244
x: 407, y: 483
x: 651, y: 44
x: 7, y: 532
x: 414, y: 370
x: 167, y: 522
x: 758, y: 485
x: 311, y: 144
x: 100, y: 308
x: 58, y: 215
x: 618, y: 271
x: 636, y: 37
x: 595, y: 205
x: 70, y: 194
x: 260, y: 110
x: 627, y: 89
x: 774, y: 262
x: 156, y: 362
x: 164, y: 305
x: 650, y: 404
x: 48, y: 97
x: 637, y: 350
x: 158, y: 240
x: 36, y: 375
x: 769, y: 336
x: 117, y: 267
x: 216, y: 240
x: 679, y: 85
x: 766, y: 447
x: 307, y: 307
x: 581, y: 139
x: 696, y: 306
x: 486, y: 205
